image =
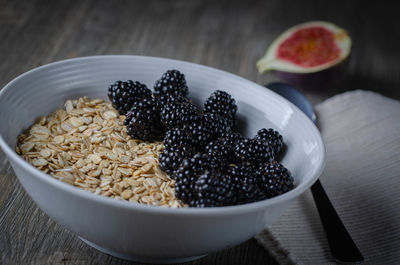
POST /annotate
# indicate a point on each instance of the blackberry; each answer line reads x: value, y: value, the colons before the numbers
x: 222, y: 149
x: 199, y: 134
x: 215, y: 188
x: 167, y: 98
x: 171, y: 158
x: 245, y: 181
x: 175, y: 137
x: 175, y: 113
x: 274, y: 179
x: 221, y: 152
x: 231, y: 138
x: 142, y: 121
x: 124, y: 94
x: 221, y: 103
x: 172, y: 82
x: 253, y: 151
x: 178, y: 137
x: 187, y: 174
x: 201, y: 203
x: 272, y: 138
x: 216, y: 124
x: 194, y: 135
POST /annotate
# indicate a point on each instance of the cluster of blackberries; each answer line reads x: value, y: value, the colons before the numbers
x: 211, y: 164
x: 143, y: 108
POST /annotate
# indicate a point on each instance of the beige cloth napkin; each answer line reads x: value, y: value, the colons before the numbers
x: 361, y: 131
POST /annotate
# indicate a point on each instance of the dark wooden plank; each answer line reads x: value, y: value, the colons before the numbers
x: 230, y: 35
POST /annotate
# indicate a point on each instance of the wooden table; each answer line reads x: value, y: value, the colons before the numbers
x: 229, y: 35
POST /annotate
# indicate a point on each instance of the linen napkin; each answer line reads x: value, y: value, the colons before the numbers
x: 361, y: 131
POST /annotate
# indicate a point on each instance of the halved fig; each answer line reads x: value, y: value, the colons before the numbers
x: 306, y: 49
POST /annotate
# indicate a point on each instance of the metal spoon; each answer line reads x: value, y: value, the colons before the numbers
x: 340, y: 242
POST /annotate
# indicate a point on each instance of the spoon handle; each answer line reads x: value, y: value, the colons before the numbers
x: 340, y: 242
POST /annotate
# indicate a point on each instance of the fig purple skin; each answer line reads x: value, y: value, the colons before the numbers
x: 317, y: 80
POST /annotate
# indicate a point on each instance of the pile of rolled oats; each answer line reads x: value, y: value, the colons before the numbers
x: 86, y: 145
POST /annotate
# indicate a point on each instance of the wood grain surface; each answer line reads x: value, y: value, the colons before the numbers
x: 229, y: 35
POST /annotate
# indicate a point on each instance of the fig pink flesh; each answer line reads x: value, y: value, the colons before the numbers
x: 309, y: 47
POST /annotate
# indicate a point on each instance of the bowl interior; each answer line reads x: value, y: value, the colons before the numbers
x: 45, y: 89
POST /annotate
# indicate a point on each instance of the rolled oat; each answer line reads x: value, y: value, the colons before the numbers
x: 86, y: 145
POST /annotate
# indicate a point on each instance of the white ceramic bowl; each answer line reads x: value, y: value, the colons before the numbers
x: 148, y: 233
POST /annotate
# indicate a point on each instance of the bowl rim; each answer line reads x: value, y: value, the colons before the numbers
x: 225, y: 210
